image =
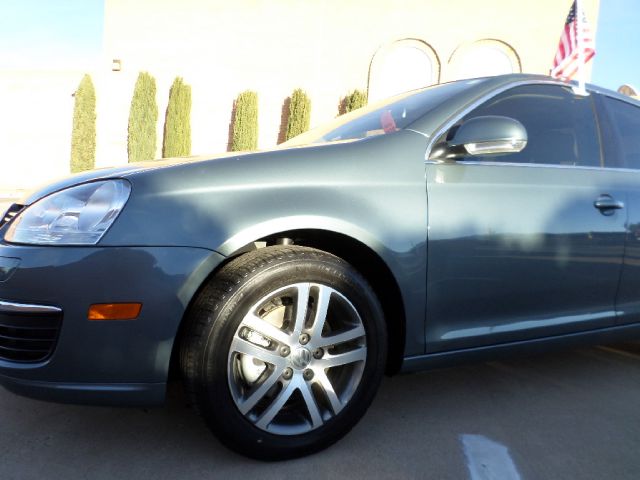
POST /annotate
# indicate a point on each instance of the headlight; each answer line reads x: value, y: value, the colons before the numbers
x: 76, y: 216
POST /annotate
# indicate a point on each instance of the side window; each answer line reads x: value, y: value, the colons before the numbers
x: 561, y: 126
x: 621, y: 128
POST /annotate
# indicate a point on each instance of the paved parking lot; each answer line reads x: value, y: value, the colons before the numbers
x: 566, y: 415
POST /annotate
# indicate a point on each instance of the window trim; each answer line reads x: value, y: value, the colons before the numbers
x: 528, y: 165
x: 446, y: 126
x: 615, y: 96
x: 535, y: 165
x: 596, y: 113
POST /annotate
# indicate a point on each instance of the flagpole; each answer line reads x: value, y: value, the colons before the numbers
x: 581, y: 70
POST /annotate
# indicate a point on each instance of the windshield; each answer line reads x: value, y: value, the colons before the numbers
x: 382, y: 117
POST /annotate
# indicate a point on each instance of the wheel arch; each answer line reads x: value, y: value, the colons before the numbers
x: 354, y: 251
x: 371, y: 265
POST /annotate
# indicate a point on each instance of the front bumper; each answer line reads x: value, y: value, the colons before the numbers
x: 104, y: 362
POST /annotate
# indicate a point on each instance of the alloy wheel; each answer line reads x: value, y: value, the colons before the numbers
x: 296, y: 358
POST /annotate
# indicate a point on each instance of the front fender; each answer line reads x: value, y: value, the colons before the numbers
x: 372, y: 190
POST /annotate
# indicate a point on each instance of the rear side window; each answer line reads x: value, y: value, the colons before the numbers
x: 621, y: 128
x: 560, y: 125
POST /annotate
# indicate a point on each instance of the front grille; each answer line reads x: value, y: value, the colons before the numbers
x: 14, y: 210
x: 28, y: 337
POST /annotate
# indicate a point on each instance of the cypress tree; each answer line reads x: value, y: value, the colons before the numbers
x: 143, y: 117
x: 299, y: 113
x: 177, y: 124
x: 245, y: 123
x: 83, y: 136
x: 353, y: 101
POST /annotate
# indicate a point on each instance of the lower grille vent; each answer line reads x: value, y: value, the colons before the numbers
x: 28, y: 337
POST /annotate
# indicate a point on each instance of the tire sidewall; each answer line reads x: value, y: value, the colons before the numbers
x: 219, y: 407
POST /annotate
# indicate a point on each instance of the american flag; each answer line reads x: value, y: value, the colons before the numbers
x: 575, y: 36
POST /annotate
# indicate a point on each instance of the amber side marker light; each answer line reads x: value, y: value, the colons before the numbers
x: 114, y: 311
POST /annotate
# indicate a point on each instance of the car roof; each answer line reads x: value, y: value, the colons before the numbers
x: 481, y: 88
x: 501, y: 80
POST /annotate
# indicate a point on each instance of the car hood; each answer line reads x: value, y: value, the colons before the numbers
x: 245, y: 161
x: 110, y: 172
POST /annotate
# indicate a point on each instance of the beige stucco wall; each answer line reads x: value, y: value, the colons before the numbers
x: 35, y: 126
x: 272, y: 46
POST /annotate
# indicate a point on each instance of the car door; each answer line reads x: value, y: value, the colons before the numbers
x: 620, y: 121
x: 525, y: 245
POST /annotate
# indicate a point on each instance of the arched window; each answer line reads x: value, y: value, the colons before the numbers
x: 483, y: 58
x: 402, y: 66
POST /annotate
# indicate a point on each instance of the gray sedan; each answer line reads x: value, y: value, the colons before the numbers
x: 454, y: 223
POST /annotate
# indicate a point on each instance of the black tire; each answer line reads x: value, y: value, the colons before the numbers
x: 218, y: 380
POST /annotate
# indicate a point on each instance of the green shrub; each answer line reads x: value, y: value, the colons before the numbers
x: 83, y: 136
x: 245, y: 122
x: 143, y: 117
x: 299, y: 114
x: 353, y: 101
x: 177, y: 123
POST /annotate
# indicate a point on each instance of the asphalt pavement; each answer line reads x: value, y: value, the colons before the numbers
x: 564, y: 415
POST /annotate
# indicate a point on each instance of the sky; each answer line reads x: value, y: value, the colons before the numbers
x: 617, y: 59
x: 58, y: 34
x: 64, y: 34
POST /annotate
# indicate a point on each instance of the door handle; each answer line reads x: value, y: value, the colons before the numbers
x: 607, y: 204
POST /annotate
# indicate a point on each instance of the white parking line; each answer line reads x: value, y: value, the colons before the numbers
x: 617, y: 351
x: 488, y: 460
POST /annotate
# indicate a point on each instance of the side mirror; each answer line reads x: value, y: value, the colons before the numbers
x: 488, y: 135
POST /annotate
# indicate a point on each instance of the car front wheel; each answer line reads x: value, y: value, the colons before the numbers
x: 284, y: 351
